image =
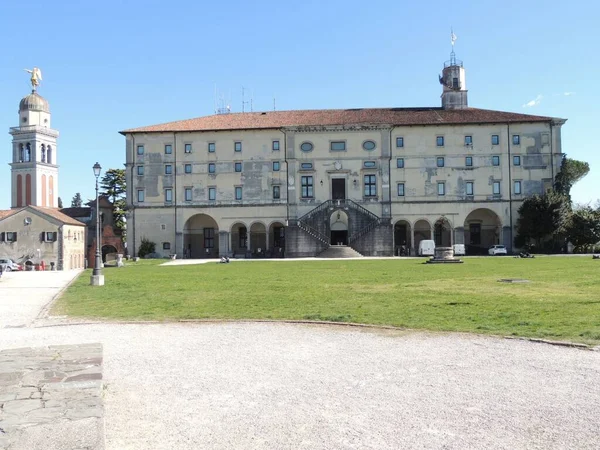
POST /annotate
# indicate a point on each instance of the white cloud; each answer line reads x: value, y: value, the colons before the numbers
x: 567, y: 94
x: 534, y: 102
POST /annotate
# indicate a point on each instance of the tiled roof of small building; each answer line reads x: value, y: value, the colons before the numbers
x: 6, y: 212
x: 75, y: 212
x: 359, y: 116
x: 55, y: 213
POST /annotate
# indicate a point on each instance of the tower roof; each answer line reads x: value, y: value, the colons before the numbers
x: 34, y: 102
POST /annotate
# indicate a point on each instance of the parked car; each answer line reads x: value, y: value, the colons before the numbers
x: 9, y: 265
x: 497, y: 250
x: 459, y: 249
x: 426, y: 248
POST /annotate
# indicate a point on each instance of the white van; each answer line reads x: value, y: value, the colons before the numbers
x: 427, y: 248
x: 459, y: 249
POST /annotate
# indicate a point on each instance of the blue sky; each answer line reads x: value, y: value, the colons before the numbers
x: 112, y: 65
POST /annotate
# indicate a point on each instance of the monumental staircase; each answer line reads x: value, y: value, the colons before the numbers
x: 367, y: 234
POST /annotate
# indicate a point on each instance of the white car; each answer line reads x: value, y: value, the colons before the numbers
x: 8, y: 265
x: 497, y: 250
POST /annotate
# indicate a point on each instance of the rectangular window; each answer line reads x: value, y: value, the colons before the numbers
x: 399, y: 142
x: 168, y: 149
x: 468, y: 140
x: 212, y: 167
x: 440, y: 141
x: 212, y: 147
x: 188, y: 194
x: 440, y: 161
x: 442, y: 188
x: 307, y: 186
x: 188, y: 168
x: 469, y: 161
x: 400, y: 163
x: 400, y: 189
x: 237, y: 146
x: 168, y: 169
x: 370, y: 186
x: 140, y: 149
x: 338, y: 146
x: 455, y: 83
x: 495, y: 139
x: 188, y: 148
x: 275, y: 146
x: 166, y: 246
x: 238, y: 192
x: 140, y: 170
x: 276, y: 192
x: 140, y: 195
x: 495, y: 160
x: 517, y: 187
x: 209, y: 237
x: 469, y: 188
x: 212, y: 193
x: 275, y: 166
x: 517, y: 160
x: 50, y: 236
x: 238, y: 166
x: 11, y: 236
x: 516, y: 139
x: 496, y: 190
x: 168, y: 195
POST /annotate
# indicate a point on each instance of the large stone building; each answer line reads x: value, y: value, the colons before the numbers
x: 34, y: 230
x: 294, y: 183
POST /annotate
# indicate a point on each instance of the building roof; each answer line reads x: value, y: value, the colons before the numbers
x: 34, y: 102
x: 51, y: 212
x: 75, y: 212
x: 359, y: 116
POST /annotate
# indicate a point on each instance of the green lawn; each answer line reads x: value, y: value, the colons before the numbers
x: 562, y: 301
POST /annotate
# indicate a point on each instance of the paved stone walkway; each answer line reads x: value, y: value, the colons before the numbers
x: 50, y: 397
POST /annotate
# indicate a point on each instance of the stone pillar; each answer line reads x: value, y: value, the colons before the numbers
x: 506, y: 240
x: 451, y: 237
x: 179, y: 250
x: 266, y: 249
x: 248, y: 246
x: 224, y: 249
x: 413, y: 251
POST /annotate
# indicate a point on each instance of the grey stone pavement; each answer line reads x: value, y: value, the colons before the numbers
x: 289, y: 386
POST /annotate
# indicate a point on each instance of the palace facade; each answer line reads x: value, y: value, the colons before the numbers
x: 294, y: 183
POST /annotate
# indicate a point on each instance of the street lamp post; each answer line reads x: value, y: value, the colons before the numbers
x: 97, y: 278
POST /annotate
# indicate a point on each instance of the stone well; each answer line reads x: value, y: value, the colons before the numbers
x: 444, y: 255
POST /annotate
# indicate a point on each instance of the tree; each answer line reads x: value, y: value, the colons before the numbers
x: 147, y: 247
x: 60, y: 204
x: 571, y: 171
x: 113, y: 186
x: 76, y: 202
x: 542, y: 216
x: 584, y: 229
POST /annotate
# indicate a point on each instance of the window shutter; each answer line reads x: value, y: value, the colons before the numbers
x: 55, y: 236
x: 15, y: 236
x: 2, y: 237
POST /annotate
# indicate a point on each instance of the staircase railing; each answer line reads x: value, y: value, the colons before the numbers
x: 366, y: 229
x: 314, y: 233
x: 362, y: 209
x: 313, y: 212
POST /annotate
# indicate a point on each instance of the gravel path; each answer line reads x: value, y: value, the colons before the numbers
x: 252, y: 385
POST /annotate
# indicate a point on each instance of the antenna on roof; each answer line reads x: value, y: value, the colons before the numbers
x: 220, y: 106
x: 274, y: 108
x: 452, y: 54
x: 244, y: 102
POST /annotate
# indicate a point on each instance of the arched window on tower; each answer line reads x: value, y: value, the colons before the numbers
x: 49, y: 155
x: 43, y: 153
x: 21, y: 153
x: 27, y: 157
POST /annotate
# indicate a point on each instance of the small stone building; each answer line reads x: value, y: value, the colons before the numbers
x: 33, y: 234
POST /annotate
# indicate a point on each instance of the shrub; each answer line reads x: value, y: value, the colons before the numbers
x: 146, y: 247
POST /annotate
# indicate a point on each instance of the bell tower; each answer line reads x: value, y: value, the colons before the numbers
x: 34, y: 169
x: 454, y: 94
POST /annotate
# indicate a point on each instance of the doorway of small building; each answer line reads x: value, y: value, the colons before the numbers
x: 338, y: 228
x: 106, y: 250
x: 338, y: 188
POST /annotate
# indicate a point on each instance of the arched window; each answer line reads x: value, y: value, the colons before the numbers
x: 49, y: 155
x: 21, y: 153
x: 27, y: 190
x: 27, y: 157
x: 20, y: 189
x: 43, y: 153
x: 51, y: 191
x: 44, y: 193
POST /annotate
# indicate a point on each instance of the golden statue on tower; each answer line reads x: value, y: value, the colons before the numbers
x: 36, y: 77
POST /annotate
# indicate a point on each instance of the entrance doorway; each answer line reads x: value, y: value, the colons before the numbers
x: 338, y: 227
x: 338, y: 188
